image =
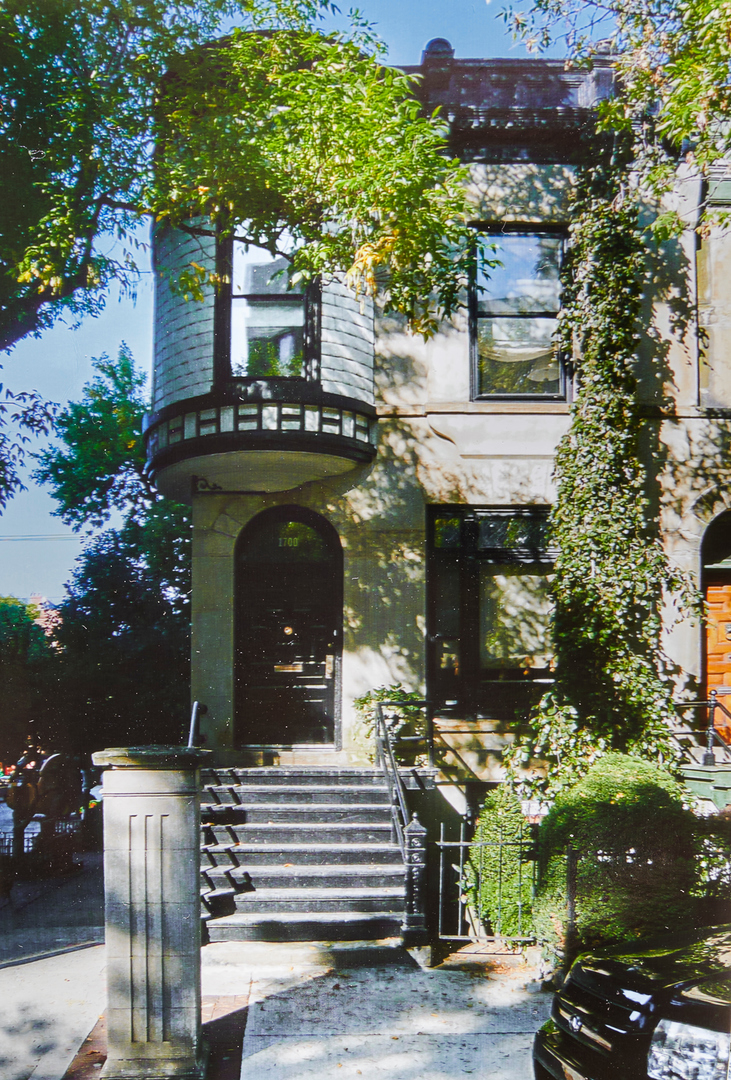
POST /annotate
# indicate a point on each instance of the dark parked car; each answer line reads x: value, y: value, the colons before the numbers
x: 659, y: 1009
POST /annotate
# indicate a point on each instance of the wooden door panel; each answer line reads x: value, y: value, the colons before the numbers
x: 718, y: 650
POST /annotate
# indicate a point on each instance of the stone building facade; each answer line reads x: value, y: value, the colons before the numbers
x: 369, y: 508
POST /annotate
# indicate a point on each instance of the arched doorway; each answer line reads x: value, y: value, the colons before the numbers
x: 289, y: 616
x: 716, y: 559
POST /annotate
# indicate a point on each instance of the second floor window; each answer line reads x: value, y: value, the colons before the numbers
x: 271, y: 322
x: 514, y: 316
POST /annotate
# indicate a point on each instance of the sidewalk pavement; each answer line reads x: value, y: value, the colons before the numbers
x: 48, y: 1008
x: 369, y: 1010
x: 271, y: 1011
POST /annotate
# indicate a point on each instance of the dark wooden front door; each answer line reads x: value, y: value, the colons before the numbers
x: 288, y: 630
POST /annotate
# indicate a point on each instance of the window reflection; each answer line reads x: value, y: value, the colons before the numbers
x: 516, y: 306
x: 267, y: 316
x: 515, y: 609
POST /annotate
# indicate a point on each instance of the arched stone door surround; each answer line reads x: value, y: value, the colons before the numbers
x: 288, y: 597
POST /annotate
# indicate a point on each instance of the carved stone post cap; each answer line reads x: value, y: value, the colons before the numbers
x: 150, y: 757
x: 414, y: 827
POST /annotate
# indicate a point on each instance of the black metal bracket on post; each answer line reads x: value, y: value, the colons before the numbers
x: 414, y: 925
x: 197, y: 711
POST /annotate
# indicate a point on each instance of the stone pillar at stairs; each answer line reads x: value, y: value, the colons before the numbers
x: 151, y: 840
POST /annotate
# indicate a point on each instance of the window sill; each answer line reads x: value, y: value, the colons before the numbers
x: 556, y: 408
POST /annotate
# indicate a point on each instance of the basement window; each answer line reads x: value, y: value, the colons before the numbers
x: 514, y: 309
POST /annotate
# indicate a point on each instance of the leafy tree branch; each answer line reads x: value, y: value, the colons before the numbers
x: 282, y: 128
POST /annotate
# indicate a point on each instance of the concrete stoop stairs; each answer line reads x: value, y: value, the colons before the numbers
x: 299, y: 855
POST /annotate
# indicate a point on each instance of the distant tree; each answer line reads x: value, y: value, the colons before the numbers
x: 26, y: 657
x: 124, y: 636
x: 124, y: 647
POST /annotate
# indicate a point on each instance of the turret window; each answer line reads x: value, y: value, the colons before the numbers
x: 269, y: 329
x: 514, y: 316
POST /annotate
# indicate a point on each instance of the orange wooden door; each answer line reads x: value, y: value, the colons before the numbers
x: 718, y: 651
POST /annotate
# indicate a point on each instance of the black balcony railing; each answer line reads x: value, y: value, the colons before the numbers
x: 219, y: 424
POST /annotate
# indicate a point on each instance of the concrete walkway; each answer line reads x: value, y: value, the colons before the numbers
x: 364, y: 1010
x: 271, y: 1011
x: 51, y: 982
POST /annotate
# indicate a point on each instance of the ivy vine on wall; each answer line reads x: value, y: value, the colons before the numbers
x: 614, y: 683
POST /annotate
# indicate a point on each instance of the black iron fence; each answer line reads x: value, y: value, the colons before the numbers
x: 468, y: 869
x: 34, y: 838
x: 508, y: 872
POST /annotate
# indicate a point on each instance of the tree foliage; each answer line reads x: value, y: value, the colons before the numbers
x: 124, y: 648
x: 22, y: 415
x: 26, y: 656
x: 305, y: 138
x: 672, y: 62
x: 124, y: 634
x: 81, y: 82
x: 307, y: 133
x: 101, y: 467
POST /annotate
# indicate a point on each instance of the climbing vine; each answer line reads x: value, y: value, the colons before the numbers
x: 614, y: 684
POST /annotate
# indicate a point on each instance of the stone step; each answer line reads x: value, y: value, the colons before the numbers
x: 271, y: 776
x: 218, y: 902
x: 330, y: 794
x: 299, y: 855
x: 317, y: 926
x: 321, y: 900
x: 217, y: 855
x: 295, y: 877
x: 297, y: 812
x: 309, y: 832
x: 247, y: 854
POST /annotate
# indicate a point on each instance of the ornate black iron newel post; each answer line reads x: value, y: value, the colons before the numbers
x: 414, y: 924
x: 709, y: 757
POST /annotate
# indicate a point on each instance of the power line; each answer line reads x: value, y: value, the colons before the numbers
x: 40, y: 536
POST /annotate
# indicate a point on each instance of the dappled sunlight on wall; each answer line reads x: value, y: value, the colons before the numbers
x: 521, y: 192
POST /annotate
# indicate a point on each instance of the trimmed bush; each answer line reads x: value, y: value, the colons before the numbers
x: 500, y: 868
x: 634, y: 841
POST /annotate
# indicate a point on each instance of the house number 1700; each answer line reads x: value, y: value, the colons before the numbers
x: 289, y: 541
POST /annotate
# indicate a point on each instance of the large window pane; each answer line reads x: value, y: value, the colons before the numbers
x: 267, y: 317
x: 515, y: 608
x: 527, y: 279
x: 516, y: 304
x: 267, y: 339
x: 516, y: 356
x: 513, y: 531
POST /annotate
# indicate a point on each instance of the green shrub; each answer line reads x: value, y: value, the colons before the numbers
x: 500, y: 868
x: 713, y: 864
x: 404, y: 721
x: 635, y: 843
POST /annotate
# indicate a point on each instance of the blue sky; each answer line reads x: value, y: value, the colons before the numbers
x: 37, y: 551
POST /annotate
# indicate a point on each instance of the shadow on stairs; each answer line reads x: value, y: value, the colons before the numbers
x: 299, y: 855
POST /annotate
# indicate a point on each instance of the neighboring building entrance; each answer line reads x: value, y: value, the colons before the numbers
x: 717, y: 591
x: 289, y: 614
